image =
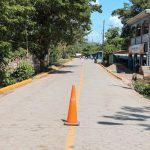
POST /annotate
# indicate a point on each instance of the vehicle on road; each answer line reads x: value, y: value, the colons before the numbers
x: 98, y: 56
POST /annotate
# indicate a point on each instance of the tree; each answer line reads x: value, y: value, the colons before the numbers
x: 131, y: 9
x: 113, y: 39
x: 59, y: 21
x: 90, y: 49
x: 40, y: 26
x: 111, y: 34
x: 14, y: 22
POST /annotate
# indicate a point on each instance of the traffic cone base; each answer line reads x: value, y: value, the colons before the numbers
x: 72, y: 124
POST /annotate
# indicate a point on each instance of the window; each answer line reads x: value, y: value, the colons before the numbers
x: 145, y: 27
x: 138, y: 30
x: 145, y: 47
x: 133, y: 31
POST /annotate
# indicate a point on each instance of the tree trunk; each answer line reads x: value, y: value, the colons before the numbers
x: 42, y: 65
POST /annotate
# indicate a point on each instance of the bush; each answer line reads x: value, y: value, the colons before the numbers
x: 24, y: 71
x: 19, y: 53
x: 6, y: 78
x: 142, y: 88
x: 5, y: 49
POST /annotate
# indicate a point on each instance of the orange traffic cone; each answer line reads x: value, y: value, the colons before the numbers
x: 72, y: 112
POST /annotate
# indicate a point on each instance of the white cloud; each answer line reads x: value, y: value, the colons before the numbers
x: 95, y: 3
x: 115, y: 21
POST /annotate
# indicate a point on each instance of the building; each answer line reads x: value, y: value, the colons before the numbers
x: 139, y: 50
x: 120, y: 56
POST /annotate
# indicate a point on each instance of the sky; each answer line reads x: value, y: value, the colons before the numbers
x: 97, y: 19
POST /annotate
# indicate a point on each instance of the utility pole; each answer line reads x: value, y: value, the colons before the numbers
x: 103, y: 38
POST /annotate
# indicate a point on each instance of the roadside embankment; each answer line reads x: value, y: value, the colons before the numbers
x: 52, y: 69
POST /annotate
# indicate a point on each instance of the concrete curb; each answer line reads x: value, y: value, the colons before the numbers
x: 130, y: 84
x: 24, y: 82
x: 41, y: 75
x: 13, y: 86
x: 111, y: 72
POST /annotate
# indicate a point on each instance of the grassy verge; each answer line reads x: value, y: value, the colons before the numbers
x: 142, y: 87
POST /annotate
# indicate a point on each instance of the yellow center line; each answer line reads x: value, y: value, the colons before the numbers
x: 70, y: 138
x: 71, y: 130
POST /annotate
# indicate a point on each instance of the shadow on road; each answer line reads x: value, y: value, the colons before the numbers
x: 60, y: 72
x: 121, y: 86
x: 70, y: 66
x: 109, y: 123
x: 140, y: 116
x: 146, y: 126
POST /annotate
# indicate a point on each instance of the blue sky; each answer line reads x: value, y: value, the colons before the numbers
x: 97, y: 19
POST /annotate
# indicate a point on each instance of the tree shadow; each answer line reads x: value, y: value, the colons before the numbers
x: 141, y: 116
x: 136, y: 109
x: 146, y: 126
x: 70, y: 66
x: 128, y: 116
x: 129, y: 88
x: 60, y: 72
x: 109, y: 123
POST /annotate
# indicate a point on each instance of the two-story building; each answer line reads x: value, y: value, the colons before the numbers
x: 139, y: 50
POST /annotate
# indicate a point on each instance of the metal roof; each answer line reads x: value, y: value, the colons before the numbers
x: 141, y: 15
x: 121, y: 52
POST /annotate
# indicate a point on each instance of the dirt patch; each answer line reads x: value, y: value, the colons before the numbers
x: 112, y: 68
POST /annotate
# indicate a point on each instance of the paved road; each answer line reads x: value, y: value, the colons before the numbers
x: 112, y: 116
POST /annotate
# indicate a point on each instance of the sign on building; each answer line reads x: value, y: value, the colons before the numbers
x: 136, y: 49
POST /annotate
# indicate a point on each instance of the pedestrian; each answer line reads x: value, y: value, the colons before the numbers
x: 95, y: 60
x: 137, y: 66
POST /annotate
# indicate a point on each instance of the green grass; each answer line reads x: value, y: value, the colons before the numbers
x: 143, y: 88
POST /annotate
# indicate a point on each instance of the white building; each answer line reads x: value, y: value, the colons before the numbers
x: 139, y: 50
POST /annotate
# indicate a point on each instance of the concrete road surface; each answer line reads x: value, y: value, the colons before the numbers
x: 112, y: 116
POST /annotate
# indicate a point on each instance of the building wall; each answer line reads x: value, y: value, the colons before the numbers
x: 142, y: 38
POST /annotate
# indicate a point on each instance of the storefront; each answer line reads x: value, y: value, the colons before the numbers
x: 139, y: 50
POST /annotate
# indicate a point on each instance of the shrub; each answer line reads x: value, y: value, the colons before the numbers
x: 5, y: 49
x: 142, y: 88
x: 24, y: 71
x: 6, y: 78
x: 19, y: 53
